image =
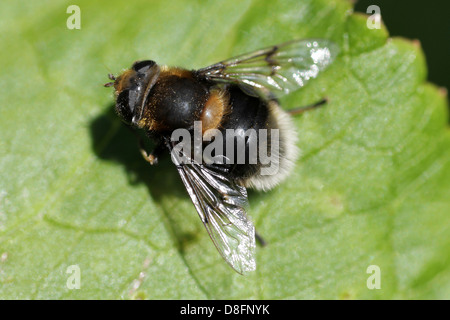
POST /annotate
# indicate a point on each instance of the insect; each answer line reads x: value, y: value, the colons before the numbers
x: 239, y: 93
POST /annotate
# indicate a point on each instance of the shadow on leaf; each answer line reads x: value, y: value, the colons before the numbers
x: 113, y: 141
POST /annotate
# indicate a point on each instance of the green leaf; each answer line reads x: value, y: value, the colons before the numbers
x: 372, y: 186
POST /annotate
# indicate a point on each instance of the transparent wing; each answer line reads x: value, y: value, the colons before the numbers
x: 220, y: 204
x: 275, y: 70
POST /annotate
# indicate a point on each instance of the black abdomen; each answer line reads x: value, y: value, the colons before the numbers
x: 248, y: 114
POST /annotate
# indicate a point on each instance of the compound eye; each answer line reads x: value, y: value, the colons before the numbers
x: 142, y: 66
x: 123, y: 106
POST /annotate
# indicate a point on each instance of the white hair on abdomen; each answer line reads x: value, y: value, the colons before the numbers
x: 289, y: 152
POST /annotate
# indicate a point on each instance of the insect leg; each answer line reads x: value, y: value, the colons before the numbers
x: 260, y: 239
x: 300, y: 110
x: 151, y: 157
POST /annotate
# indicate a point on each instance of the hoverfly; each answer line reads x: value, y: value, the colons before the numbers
x: 238, y: 93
